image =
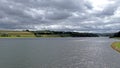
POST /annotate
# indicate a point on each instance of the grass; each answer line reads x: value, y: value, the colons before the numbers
x: 16, y: 34
x: 23, y: 34
x: 26, y: 34
x: 17, y: 37
x: 116, y: 46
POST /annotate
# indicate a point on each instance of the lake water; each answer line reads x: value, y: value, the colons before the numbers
x: 58, y: 53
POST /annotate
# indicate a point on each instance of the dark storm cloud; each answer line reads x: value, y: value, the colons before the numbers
x: 66, y: 15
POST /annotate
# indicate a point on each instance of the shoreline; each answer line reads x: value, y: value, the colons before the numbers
x: 116, y: 46
x: 44, y: 37
x: 31, y: 37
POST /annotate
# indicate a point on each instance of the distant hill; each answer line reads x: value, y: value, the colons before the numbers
x: 63, y: 34
x: 117, y: 34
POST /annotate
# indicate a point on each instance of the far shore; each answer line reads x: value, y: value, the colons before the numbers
x: 34, y: 37
x: 17, y: 37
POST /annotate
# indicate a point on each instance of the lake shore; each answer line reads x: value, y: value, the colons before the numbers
x: 43, y: 33
x: 29, y: 37
x: 116, y: 46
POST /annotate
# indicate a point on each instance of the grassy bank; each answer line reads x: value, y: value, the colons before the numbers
x: 23, y: 34
x: 116, y: 46
x: 16, y: 34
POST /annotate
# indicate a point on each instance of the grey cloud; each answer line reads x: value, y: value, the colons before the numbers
x: 88, y: 5
x: 58, y: 4
x: 58, y: 15
x: 109, y: 10
x: 67, y: 15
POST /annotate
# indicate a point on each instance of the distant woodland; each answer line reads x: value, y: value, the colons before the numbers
x: 48, y: 33
x: 44, y: 33
x: 117, y: 34
x: 62, y: 34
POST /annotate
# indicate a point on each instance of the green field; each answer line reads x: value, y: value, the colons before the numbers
x: 13, y: 34
x: 116, y: 46
x: 24, y: 34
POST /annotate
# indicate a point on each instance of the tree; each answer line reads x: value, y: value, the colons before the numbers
x: 4, y: 35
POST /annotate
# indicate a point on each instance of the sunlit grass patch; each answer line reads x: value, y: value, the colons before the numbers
x: 116, y: 46
x: 15, y: 34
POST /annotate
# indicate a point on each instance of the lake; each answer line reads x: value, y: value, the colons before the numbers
x: 58, y: 53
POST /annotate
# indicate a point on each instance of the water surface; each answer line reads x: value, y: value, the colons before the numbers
x: 58, y: 53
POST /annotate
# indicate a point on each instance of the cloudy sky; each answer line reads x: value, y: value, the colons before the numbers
x: 62, y: 15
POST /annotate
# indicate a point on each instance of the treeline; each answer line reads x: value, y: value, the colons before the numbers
x: 117, y: 34
x: 45, y: 33
x: 4, y: 35
x: 62, y: 34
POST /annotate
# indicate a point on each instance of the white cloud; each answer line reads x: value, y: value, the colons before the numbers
x: 100, y: 4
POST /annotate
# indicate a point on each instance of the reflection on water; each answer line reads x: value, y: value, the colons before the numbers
x: 58, y: 53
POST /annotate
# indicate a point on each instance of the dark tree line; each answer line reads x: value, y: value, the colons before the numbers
x: 64, y: 34
x: 117, y: 34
